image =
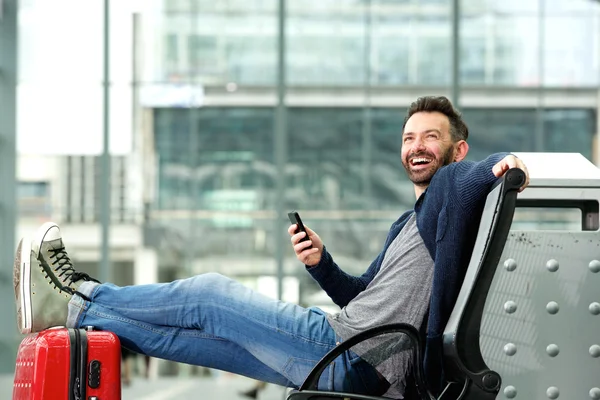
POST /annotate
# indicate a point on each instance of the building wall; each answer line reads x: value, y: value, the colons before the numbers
x: 193, y: 84
x: 383, y: 43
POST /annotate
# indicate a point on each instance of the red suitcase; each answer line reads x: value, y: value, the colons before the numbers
x: 68, y: 364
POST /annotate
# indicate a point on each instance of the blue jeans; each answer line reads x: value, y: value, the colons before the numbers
x: 216, y: 322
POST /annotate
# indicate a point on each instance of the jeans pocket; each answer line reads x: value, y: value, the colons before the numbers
x: 297, y: 369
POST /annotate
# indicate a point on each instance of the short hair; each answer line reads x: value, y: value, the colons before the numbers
x: 441, y: 104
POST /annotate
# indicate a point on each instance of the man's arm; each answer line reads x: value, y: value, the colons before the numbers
x: 472, y: 180
x: 340, y: 286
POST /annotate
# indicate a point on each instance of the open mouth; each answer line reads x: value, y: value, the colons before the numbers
x: 420, y: 161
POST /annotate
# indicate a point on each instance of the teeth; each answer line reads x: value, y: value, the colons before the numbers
x: 421, y: 160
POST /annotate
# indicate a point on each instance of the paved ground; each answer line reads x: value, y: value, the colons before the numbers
x: 222, y: 387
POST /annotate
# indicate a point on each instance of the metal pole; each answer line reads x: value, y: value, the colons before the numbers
x: 366, y: 122
x: 597, y: 133
x: 8, y: 209
x: 455, y: 46
x: 193, y: 188
x: 280, y: 150
x: 105, y: 272
x: 538, y: 144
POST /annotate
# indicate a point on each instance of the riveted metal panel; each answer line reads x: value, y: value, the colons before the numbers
x: 541, y: 319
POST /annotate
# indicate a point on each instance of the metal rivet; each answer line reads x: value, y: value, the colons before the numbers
x: 552, y: 392
x: 552, y: 350
x: 552, y: 307
x: 510, y: 392
x: 595, y: 393
x: 595, y: 351
x: 552, y: 265
x: 510, y: 264
x: 595, y: 308
x: 510, y: 307
x: 510, y: 349
x: 595, y: 266
x: 491, y: 381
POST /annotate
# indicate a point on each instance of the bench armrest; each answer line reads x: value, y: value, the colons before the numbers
x: 311, y: 381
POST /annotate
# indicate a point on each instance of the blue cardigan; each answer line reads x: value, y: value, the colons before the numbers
x: 448, y: 215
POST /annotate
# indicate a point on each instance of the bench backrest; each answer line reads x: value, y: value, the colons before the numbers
x: 527, y: 322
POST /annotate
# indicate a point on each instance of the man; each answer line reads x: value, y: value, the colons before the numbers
x: 216, y: 322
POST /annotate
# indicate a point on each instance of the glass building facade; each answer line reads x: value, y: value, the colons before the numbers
x: 351, y: 69
x: 379, y: 43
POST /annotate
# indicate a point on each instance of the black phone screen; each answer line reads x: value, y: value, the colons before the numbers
x: 295, y: 219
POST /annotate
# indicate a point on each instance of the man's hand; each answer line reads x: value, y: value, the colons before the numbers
x: 507, y: 163
x: 307, y: 255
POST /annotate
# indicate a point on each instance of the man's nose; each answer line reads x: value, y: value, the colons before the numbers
x: 418, y: 144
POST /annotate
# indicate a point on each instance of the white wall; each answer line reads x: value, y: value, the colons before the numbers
x: 60, y: 90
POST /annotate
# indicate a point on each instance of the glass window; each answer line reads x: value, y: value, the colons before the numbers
x: 562, y: 7
x: 570, y: 131
x: 325, y: 159
x: 390, y: 186
x: 569, y: 35
x: 572, y: 39
x: 174, y: 6
x: 433, y: 53
x: 172, y: 51
x: 496, y: 130
x: 514, y: 7
x: 390, y: 50
x: 473, y: 49
x: 326, y: 44
x: 504, y: 72
x: 516, y: 50
x: 251, y: 60
x: 28, y: 190
x: 472, y: 61
x: 202, y: 53
x: 342, y: 175
x: 221, y: 43
x: 34, y: 199
x: 210, y: 155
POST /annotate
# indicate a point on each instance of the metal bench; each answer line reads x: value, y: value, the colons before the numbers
x: 526, y: 324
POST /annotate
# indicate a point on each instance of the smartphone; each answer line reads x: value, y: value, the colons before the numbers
x: 295, y: 219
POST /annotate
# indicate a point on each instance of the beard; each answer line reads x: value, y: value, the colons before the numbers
x: 422, y: 177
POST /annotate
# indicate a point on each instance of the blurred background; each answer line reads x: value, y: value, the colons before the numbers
x: 171, y: 137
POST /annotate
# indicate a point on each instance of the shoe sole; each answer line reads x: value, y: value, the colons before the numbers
x: 23, y: 292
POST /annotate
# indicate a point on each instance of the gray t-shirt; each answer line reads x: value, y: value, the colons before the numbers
x: 399, y: 292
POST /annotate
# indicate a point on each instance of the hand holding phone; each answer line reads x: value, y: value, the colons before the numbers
x: 310, y: 255
x: 295, y: 219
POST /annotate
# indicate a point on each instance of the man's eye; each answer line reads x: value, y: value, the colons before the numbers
x: 432, y: 136
x: 407, y: 139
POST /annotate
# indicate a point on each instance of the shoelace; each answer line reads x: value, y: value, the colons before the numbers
x: 64, y: 267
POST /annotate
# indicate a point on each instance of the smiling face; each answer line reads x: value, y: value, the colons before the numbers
x: 426, y: 146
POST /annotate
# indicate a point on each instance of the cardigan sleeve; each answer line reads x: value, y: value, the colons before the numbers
x: 474, y: 179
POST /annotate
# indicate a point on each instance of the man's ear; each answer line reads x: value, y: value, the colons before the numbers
x: 461, y: 150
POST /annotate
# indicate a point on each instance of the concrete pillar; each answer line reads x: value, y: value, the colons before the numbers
x: 145, y: 268
x: 8, y: 211
x: 145, y: 271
